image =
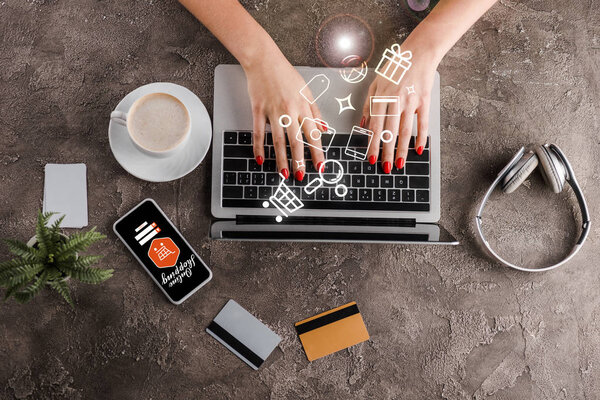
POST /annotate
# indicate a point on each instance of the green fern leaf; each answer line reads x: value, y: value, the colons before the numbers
x: 24, y: 274
x: 42, y: 233
x: 21, y: 249
x: 55, y: 228
x: 8, y: 266
x: 30, y: 291
x: 76, y: 243
x: 91, y: 275
x: 61, y: 287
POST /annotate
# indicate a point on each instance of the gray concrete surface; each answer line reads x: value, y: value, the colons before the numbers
x: 444, y: 322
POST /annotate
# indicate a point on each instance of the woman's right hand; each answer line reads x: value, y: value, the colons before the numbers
x: 274, y: 89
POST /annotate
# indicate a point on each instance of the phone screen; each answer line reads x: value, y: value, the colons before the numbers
x: 163, y: 252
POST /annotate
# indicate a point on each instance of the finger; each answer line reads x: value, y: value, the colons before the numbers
x: 366, y: 110
x: 316, y: 113
x: 406, y: 123
x: 258, y: 136
x: 422, y: 127
x: 312, y: 136
x: 297, y: 149
x: 376, y: 125
x: 279, y: 143
x: 389, y: 142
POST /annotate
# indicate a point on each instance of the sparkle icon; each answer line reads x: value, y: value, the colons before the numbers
x: 345, y: 104
x: 410, y: 89
x: 300, y: 164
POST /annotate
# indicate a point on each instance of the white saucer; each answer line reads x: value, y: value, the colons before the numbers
x: 184, y: 160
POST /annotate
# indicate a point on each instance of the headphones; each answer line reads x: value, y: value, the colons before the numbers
x: 556, y: 170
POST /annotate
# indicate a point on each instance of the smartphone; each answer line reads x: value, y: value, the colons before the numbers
x: 163, y: 252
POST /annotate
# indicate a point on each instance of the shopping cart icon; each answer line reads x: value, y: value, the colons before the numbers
x: 284, y: 200
x: 163, y: 252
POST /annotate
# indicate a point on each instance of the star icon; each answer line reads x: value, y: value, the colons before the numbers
x: 411, y: 89
x: 345, y: 104
x: 300, y: 164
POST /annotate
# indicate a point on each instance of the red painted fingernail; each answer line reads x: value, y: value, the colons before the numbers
x: 260, y: 160
x: 299, y: 175
x: 323, y: 127
x: 400, y: 163
x: 320, y: 166
x: 387, y: 167
x: 420, y: 150
x: 372, y: 160
x: 285, y: 173
x: 362, y: 122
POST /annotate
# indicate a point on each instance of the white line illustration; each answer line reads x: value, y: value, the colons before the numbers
x: 317, y: 86
x: 345, y: 103
x: 284, y: 200
x: 358, y: 154
x: 355, y: 69
x: 390, y: 136
x: 385, y: 102
x: 317, y: 183
x: 316, y: 134
x: 147, y: 232
x: 300, y: 164
x: 287, y: 119
x: 410, y: 89
x: 394, y: 63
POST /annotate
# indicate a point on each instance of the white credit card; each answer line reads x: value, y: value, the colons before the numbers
x: 65, y: 193
x: 243, y: 334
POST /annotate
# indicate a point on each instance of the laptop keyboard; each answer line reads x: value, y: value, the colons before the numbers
x: 247, y: 184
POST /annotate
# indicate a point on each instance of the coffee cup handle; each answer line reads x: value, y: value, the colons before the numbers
x: 119, y: 117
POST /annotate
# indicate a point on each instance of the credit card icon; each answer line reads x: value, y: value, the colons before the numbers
x: 384, y: 106
x: 332, y: 331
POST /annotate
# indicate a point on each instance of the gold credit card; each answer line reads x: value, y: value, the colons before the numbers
x: 332, y: 331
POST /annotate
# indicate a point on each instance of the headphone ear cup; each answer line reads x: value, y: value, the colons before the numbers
x: 517, y: 174
x: 552, y: 169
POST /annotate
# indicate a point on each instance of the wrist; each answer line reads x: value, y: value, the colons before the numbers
x: 261, y: 51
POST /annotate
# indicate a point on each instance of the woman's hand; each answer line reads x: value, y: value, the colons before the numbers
x: 420, y: 76
x: 274, y: 89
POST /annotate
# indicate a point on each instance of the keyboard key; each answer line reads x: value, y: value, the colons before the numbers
x: 269, y: 166
x: 412, y: 142
x: 322, y: 194
x: 229, y: 178
x: 413, y: 156
x: 235, y: 164
x: 264, y: 192
x: 233, y: 192
x: 230, y: 137
x: 365, y: 194
x: 244, y: 178
x: 419, y: 182
x: 336, y: 205
x: 368, y: 168
x: 346, y: 179
x: 393, y: 195
x: 372, y: 181
x: 245, y: 138
x: 423, y: 196
x: 306, y: 196
x: 273, y: 179
x: 358, y: 181
x: 396, y: 171
x: 417, y: 168
x: 400, y: 182
x: 253, y: 166
x: 379, y: 195
x: 271, y: 153
x: 269, y: 138
x: 237, y: 151
x: 352, y: 194
x: 334, y: 153
x: 354, y: 167
x: 387, y: 181
x: 258, y: 179
x: 334, y: 196
x: 250, y: 192
x: 307, y: 154
x: 408, y: 195
x: 296, y: 191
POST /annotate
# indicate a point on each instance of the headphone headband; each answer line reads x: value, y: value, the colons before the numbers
x: 580, y: 199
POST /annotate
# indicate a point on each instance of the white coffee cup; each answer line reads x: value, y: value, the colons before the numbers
x: 158, y: 123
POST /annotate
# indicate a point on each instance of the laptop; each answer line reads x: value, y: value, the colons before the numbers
x: 401, y: 207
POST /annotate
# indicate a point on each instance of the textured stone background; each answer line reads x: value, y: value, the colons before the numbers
x: 444, y: 322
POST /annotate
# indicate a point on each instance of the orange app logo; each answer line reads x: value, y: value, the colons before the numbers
x: 164, y: 252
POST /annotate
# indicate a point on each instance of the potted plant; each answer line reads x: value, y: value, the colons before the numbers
x: 50, y: 258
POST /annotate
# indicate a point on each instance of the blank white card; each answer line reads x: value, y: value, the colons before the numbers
x: 65, y: 193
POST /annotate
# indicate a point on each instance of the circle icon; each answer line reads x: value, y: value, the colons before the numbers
x: 354, y: 70
x: 265, y: 204
x: 285, y: 121
x: 278, y: 218
x: 337, y: 175
x: 389, y: 138
x: 315, y: 134
x: 341, y: 190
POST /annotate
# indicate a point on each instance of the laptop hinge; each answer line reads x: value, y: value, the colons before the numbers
x: 349, y: 221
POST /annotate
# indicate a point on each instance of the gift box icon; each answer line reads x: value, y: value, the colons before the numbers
x: 394, y: 63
